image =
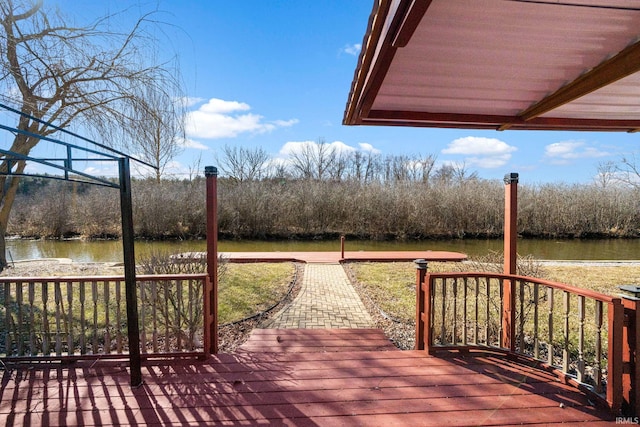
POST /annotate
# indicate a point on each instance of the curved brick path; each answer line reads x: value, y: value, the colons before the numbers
x: 326, y: 300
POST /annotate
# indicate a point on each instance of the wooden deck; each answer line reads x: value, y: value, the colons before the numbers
x: 289, y: 386
x: 378, y: 256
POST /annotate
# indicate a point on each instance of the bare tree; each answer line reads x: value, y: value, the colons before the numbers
x: 57, y: 73
x: 627, y: 171
x: 314, y: 160
x: 454, y: 173
x: 606, y: 174
x: 159, y: 125
x: 244, y: 164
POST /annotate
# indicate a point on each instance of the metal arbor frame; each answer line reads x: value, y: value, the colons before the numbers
x: 65, y: 164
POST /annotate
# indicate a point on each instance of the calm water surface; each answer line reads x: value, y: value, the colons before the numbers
x: 111, y: 251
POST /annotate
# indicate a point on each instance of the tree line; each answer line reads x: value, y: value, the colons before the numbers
x: 297, y: 208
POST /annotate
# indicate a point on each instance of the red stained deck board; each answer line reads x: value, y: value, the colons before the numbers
x: 316, y: 340
x: 404, y: 388
x: 379, y: 256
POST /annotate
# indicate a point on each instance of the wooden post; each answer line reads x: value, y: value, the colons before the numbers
x: 510, y: 259
x: 211, y: 285
x: 631, y: 348
x: 614, y: 355
x: 341, y: 247
x: 421, y: 272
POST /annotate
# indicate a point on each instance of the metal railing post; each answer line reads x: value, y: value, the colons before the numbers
x: 131, y: 296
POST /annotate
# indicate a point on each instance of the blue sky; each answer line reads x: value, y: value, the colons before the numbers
x: 277, y: 73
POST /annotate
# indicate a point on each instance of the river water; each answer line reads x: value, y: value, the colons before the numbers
x: 111, y: 251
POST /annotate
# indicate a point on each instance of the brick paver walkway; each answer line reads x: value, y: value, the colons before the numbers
x: 326, y: 300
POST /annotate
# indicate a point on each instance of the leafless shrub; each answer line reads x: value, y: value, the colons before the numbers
x: 363, y: 208
x: 179, y: 305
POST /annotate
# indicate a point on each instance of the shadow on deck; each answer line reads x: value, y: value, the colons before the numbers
x: 275, y: 381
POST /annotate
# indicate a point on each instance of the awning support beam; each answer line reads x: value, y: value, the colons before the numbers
x: 623, y: 64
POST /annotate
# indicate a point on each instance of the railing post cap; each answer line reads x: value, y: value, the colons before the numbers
x: 511, y: 178
x: 421, y: 264
x: 631, y: 292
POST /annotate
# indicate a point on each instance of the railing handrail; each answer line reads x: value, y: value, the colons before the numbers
x: 587, y: 293
x: 614, y: 323
x: 83, y: 316
x: 139, y: 277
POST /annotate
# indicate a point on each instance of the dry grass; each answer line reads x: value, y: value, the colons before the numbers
x: 604, y: 279
x: 391, y: 286
x: 249, y: 289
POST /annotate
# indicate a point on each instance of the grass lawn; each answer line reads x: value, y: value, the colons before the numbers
x: 248, y: 289
x: 392, y: 285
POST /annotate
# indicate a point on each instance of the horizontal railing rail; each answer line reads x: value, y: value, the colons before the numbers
x: 62, y: 317
x: 576, y: 331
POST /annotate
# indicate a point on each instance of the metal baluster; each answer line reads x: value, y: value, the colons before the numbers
x: 476, y: 330
x: 94, y: 296
x: 143, y: 317
x: 178, y: 285
x: 565, y: 347
x: 190, y: 319
x: 454, y: 337
x: 597, y: 371
x: 550, y: 320
x: 58, y: 299
x: 488, y: 309
x: 444, y: 320
x: 581, y: 363
x: 70, y: 346
x: 521, y: 323
x: 154, y: 314
x: 83, y: 320
x: 536, y: 337
x: 46, y: 345
x: 7, y: 306
x: 107, y: 322
x: 20, y: 320
x: 166, y: 316
x: 119, y: 317
x: 32, y: 320
x: 500, y: 311
x: 465, y: 320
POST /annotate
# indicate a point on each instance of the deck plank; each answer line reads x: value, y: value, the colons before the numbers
x: 316, y: 340
x: 364, y: 388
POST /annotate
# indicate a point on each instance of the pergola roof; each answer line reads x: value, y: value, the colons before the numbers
x: 500, y: 64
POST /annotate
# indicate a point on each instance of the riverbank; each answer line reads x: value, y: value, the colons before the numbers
x: 111, y: 250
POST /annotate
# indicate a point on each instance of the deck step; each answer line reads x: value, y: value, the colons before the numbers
x: 316, y: 341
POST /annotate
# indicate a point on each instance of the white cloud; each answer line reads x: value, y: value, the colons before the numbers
x: 294, y: 147
x: 219, y: 106
x: 108, y: 169
x: 482, y: 152
x: 565, y: 151
x: 352, y: 49
x: 478, y: 145
x: 488, y: 162
x: 226, y: 119
x: 285, y: 123
x: 191, y: 143
x: 190, y: 101
x: 366, y: 147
